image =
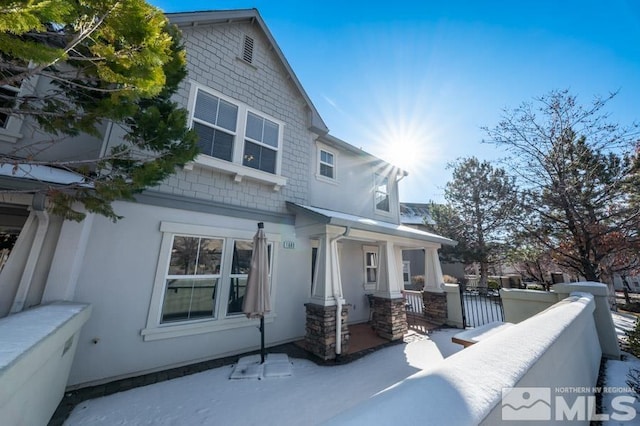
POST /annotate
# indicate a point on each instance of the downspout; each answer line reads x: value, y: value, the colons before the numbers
x: 38, y: 207
x: 337, y: 293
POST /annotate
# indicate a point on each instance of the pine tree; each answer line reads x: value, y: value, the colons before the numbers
x: 480, y: 210
x: 106, y: 61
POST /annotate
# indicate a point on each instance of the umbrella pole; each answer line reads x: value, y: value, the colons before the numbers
x: 262, y: 339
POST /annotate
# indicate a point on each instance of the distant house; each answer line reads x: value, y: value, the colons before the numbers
x: 416, y: 215
x: 167, y: 281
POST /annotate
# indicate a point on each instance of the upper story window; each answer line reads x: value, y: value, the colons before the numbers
x: 215, y: 121
x: 261, y: 143
x: 381, y: 192
x: 244, y: 138
x: 327, y: 164
x: 8, y: 95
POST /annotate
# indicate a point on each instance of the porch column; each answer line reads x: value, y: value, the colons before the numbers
x: 433, y: 279
x: 67, y: 259
x: 434, y: 297
x: 327, y: 334
x: 390, y: 282
x: 390, y: 317
x: 320, y: 289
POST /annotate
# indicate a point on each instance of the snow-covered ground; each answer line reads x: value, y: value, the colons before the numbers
x: 615, y: 380
x: 313, y: 393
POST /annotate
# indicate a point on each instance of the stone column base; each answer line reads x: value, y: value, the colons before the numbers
x: 320, y: 339
x: 389, y: 318
x: 435, y: 307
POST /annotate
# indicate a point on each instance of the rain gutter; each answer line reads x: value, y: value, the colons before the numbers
x: 337, y: 287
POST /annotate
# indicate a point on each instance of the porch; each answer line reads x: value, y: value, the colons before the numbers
x: 357, y: 276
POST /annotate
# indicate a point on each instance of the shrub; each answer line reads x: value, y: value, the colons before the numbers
x: 493, y: 285
x: 633, y: 339
x: 450, y: 280
x: 418, y: 282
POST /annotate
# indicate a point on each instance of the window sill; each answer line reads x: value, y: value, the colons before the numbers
x: 370, y: 286
x: 238, y: 171
x: 169, y: 331
x: 9, y: 136
x: 326, y: 179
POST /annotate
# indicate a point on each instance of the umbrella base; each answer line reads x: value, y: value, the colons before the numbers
x: 249, y: 367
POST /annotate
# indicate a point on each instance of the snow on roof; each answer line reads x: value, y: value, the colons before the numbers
x: 41, y: 173
x: 415, y: 214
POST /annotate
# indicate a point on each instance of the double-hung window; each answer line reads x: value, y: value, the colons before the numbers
x: 327, y: 164
x: 381, y: 193
x: 249, y: 142
x: 8, y: 96
x: 192, y: 278
x: 215, y: 121
x: 370, y: 267
x: 201, y: 280
x: 261, y: 143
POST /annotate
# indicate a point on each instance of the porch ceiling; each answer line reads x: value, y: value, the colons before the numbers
x: 331, y: 217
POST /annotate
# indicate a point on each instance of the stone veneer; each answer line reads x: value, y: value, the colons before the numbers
x: 435, y: 306
x: 389, y: 318
x: 320, y: 339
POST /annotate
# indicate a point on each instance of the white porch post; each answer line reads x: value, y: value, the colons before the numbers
x: 390, y: 283
x: 67, y: 259
x: 321, y: 290
x: 432, y: 271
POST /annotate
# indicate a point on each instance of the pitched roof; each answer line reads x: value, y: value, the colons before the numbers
x: 212, y: 17
x: 415, y: 214
x: 332, y: 217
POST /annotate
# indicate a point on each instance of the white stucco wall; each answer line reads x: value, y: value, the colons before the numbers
x: 521, y: 304
x: 353, y: 189
x: 352, y: 277
x: 117, y: 278
x: 38, y: 346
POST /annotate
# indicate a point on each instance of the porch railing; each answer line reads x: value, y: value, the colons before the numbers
x: 413, y: 302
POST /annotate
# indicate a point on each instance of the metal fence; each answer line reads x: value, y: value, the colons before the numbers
x: 480, y: 306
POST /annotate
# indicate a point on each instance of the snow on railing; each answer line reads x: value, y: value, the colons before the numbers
x: 36, y: 353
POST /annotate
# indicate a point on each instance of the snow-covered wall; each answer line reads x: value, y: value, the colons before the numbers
x: 522, y: 304
x: 556, y: 348
x: 454, y: 305
x: 37, y: 349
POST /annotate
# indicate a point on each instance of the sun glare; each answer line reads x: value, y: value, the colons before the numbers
x: 403, y: 146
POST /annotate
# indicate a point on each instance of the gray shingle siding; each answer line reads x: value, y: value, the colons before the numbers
x: 213, y: 53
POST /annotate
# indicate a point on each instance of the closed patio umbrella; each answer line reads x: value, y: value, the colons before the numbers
x: 256, y: 301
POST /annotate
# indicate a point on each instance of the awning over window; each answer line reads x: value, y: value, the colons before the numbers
x: 331, y: 217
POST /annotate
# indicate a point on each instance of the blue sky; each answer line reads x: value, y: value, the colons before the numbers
x: 422, y: 77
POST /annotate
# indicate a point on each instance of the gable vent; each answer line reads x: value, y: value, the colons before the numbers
x: 247, y: 50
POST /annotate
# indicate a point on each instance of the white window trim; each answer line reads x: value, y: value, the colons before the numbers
x: 235, y: 168
x: 406, y: 264
x: 366, y: 250
x: 11, y: 132
x: 321, y: 177
x: 155, y: 330
x: 375, y: 191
